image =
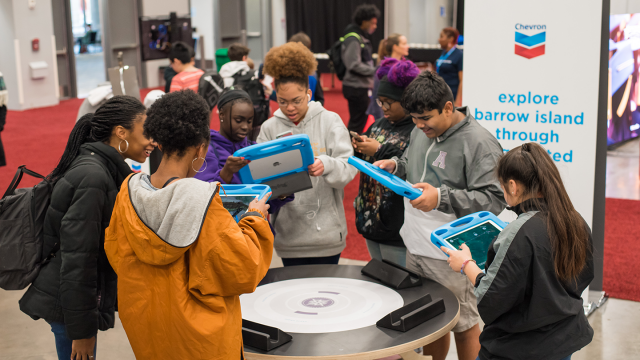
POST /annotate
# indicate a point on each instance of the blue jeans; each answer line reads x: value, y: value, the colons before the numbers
x: 326, y: 260
x: 396, y: 254
x: 63, y: 343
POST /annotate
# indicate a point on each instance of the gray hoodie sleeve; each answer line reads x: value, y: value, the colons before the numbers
x: 337, y: 171
x: 352, y: 59
x: 401, y: 164
x: 483, y: 191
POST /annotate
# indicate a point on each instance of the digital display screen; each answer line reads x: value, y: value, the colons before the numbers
x: 237, y: 205
x: 478, y: 239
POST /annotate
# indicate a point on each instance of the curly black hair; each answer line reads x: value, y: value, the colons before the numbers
x: 426, y: 92
x: 365, y: 12
x: 178, y: 121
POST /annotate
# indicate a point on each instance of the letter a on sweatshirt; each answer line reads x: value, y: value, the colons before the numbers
x: 440, y: 160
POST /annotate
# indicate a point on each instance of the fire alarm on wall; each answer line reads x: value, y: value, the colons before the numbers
x: 32, y: 4
x: 35, y: 44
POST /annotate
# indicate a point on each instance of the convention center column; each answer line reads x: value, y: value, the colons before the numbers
x: 536, y: 71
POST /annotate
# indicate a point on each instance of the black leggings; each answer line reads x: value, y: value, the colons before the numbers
x: 326, y: 260
x: 358, y: 99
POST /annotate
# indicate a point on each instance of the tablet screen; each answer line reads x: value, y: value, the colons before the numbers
x: 237, y: 205
x: 478, y: 239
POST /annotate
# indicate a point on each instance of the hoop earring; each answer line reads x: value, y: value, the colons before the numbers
x: 125, y: 150
x: 205, y: 165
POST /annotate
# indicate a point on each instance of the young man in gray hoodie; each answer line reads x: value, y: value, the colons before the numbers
x: 452, y: 159
x: 312, y: 229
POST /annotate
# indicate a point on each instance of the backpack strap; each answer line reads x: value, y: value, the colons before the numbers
x: 355, y: 35
x: 18, y: 177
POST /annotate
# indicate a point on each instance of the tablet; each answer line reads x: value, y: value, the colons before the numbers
x: 236, y: 198
x: 397, y: 185
x: 477, y: 230
x: 276, y: 158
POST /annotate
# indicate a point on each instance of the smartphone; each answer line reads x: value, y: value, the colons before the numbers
x: 284, y: 134
x: 356, y: 136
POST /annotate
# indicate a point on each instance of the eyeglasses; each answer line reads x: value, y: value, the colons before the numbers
x: 296, y: 102
x: 384, y: 104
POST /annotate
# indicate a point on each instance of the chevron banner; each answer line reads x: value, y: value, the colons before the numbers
x: 530, y: 46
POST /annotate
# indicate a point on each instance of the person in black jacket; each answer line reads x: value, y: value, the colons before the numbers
x: 380, y: 211
x: 357, y: 55
x: 536, y: 269
x: 76, y: 291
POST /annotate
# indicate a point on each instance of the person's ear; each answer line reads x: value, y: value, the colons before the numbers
x: 121, y: 132
x: 513, y: 188
x: 244, y: 58
x: 448, y: 108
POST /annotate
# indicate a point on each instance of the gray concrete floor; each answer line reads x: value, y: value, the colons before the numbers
x: 90, y: 72
x: 616, y: 324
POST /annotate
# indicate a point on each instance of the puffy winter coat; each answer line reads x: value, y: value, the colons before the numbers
x: 78, y: 286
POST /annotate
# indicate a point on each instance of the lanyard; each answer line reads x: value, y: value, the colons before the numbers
x: 442, y: 58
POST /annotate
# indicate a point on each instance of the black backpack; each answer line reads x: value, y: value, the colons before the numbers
x: 210, y: 87
x: 335, y: 54
x: 250, y: 82
x: 22, y: 213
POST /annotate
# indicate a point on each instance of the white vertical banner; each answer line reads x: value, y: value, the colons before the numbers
x: 531, y: 73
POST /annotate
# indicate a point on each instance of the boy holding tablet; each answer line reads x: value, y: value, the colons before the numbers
x: 452, y: 159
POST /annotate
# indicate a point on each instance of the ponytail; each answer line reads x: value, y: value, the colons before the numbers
x: 120, y: 110
x: 531, y: 166
x: 80, y: 134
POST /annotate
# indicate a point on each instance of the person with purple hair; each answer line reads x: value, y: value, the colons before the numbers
x: 380, y: 211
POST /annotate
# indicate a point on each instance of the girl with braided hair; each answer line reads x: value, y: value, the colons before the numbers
x: 75, y: 292
x: 319, y: 228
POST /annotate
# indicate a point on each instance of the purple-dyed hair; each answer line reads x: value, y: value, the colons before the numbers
x: 403, y: 73
x: 385, y: 66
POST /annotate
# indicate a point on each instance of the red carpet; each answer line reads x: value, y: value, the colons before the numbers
x: 37, y: 138
x: 622, y: 249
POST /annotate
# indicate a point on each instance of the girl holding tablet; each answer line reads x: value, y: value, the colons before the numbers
x: 182, y: 260
x: 537, y: 267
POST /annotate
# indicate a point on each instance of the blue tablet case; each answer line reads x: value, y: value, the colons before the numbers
x: 463, y: 224
x: 242, y: 189
x: 237, y: 206
x: 275, y: 159
x: 397, y: 185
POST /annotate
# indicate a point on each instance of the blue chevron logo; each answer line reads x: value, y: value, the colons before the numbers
x: 531, y: 40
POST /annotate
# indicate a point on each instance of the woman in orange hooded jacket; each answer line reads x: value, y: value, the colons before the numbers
x: 182, y: 260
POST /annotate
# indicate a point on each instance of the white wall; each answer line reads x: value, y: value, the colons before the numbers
x: 625, y: 6
x: 398, y: 18
x: 19, y: 25
x: 278, y: 22
x: 202, y: 18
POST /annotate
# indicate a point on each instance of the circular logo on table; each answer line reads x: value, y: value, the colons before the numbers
x: 317, y: 302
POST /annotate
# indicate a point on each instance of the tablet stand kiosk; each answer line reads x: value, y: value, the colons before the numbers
x: 396, y: 184
x: 392, y: 274
x: 413, y: 314
x: 282, y: 164
x: 263, y: 337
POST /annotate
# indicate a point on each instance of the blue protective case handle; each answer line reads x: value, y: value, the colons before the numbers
x: 259, y: 190
x: 439, y: 235
x: 299, y: 142
x: 397, y: 185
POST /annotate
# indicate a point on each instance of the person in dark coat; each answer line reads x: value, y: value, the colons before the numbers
x: 536, y: 269
x: 75, y: 292
x: 3, y: 116
x: 380, y: 211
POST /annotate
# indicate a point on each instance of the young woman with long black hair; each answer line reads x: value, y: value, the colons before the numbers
x: 537, y: 267
x: 76, y: 291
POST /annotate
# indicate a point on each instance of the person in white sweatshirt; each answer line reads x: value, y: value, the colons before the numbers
x: 312, y: 229
x: 238, y: 54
